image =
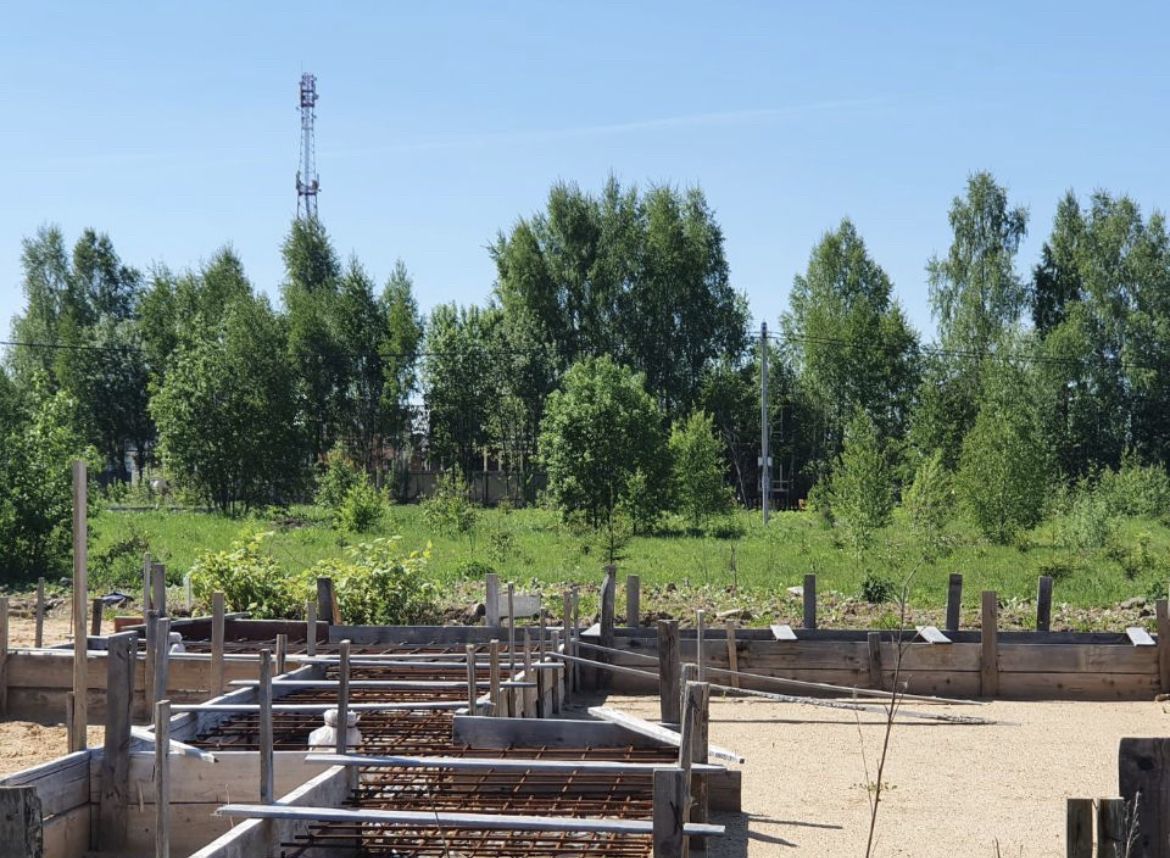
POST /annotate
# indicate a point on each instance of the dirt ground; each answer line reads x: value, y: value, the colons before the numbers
x: 22, y: 625
x: 951, y: 790
x: 24, y: 744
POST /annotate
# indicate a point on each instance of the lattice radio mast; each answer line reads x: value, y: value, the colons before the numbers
x: 308, y: 183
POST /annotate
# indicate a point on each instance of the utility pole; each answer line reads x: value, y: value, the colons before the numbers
x: 765, y: 457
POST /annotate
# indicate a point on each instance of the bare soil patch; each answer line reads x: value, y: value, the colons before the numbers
x: 24, y: 744
x: 950, y: 789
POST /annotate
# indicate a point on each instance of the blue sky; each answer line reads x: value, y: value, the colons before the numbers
x: 174, y: 128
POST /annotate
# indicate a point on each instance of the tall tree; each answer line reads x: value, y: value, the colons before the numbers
x: 399, y: 352
x: 360, y: 327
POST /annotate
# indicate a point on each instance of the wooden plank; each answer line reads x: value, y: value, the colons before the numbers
x: 499, y: 764
x: 162, y: 779
x: 1162, y: 609
x: 111, y: 831
x: 654, y: 731
x: 698, y: 698
x: 266, y: 749
x: 875, y: 660
x: 494, y: 675
x: 954, y: 601
x: 21, y: 828
x: 608, y: 606
x: 1044, y: 603
x: 1078, y: 658
x: 700, y: 655
x: 327, y: 608
x: 39, y: 615
x: 472, y: 686
x: 1139, y: 636
x: 95, y: 622
x: 158, y: 589
x: 932, y: 635
x: 783, y: 632
x: 1077, y: 686
x: 61, y: 784
x: 1143, y: 767
x: 3, y: 655
x: 1111, y: 833
x: 671, y: 795
x: 989, y: 663
x: 310, y: 628
x: 491, y: 600
x: 732, y: 655
x: 217, y: 644
x: 633, y: 601
x: 79, y: 717
x: 1079, y: 828
x: 810, y: 601
x: 162, y: 658
x: 68, y: 835
x: 343, y: 702
x: 234, y: 775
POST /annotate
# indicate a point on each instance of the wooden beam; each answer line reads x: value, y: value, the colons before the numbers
x: 310, y: 628
x: 874, y: 646
x: 1111, y: 833
x: 327, y: 608
x: 700, y: 655
x: 1079, y: 828
x: 954, y: 601
x: 670, y: 809
x: 343, y: 698
x: 281, y: 652
x: 158, y: 589
x: 21, y: 825
x: 217, y: 643
x: 464, y: 821
x: 654, y: 731
x: 732, y: 653
x: 162, y: 779
x: 39, y: 632
x: 698, y: 697
x: 494, y: 675
x: 111, y: 831
x: 511, y: 629
x: 95, y: 622
x: 503, y: 764
x: 669, y: 671
x: 1162, y: 609
x: 608, y: 606
x: 989, y: 651
x: 810, y: 601
x: 472, y: 685
x: 633, y: 601
x: 162, y: 657
x: 1044, y: 604
x: 491, y: 602
x: 1144, y: 778
x: 264, y: 699
x: 77, y: 736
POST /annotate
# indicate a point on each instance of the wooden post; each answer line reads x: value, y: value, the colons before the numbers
x: 669, y: 672
x: 693, y: 747
x: 310, y: 628
x: 608, y: 608
x: 21, y: 823
x: 1111, y: 829
x: 162, y: 779
x: 327, y: 608
x: 989, y: 659
x: 70, y: 714
x: 281, y: 652
x: 732, y: 654
x: 343, y: 698
x: 511, y: 630
x: 810, y: 601
x: 494, y: 675
x: 264, y: 698
x: 670, y: 809
x: 633, y: 601
x: 158, y: 588
x: 558, y: 676
x: 567, y: 608
x: 1044, y: 604
x: 540, y: 640
x: 217, y: 643
x: 472, y: 690
x: 954, y: 601
x: 1144, y: 778
x: 1163, y: 614
x: 687, y: 674
x: 151, y: 623
x: 699, y: 654
x: 530, y: 695
x: 39, y: 633
x: 874, y: 643
x: 77, y: 738
x: 147, y: 565
x: 115, y: 766
x: 3, y: 655
x: 577, y: 673
x: 1079, y: 828
x: 162, y: 657
x: 95, y: 622
x: 491, y: 601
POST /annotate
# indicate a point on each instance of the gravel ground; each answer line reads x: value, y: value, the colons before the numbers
x: 950, y: 790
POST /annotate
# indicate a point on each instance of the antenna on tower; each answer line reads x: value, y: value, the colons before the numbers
x: 308, y: 183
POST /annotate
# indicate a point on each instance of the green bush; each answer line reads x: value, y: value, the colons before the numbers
x: 251, y: 580
x: 1136, y: 489
x: 340, y: 477
x: 930, y: 505
x: 448, y: 510
x: 878, y: 589
x: 1090, y: 521
x: 380, y: 585
x: 363, y: 509
x: 474, y: 570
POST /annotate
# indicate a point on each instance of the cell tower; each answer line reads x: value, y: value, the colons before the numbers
x: 308, y: 183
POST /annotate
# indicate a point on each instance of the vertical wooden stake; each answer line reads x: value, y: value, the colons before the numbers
x: 3, y: 655
x: 633, y: 601
x: 686, y: 675
x: 670, y: 809
x: 1163, y: 614
x: 874, y: 644
x: 700, y: 656
x: 989, y: 660
x: 151, y: 652
x: 732, y: 654
x: 1111, y: 829
x: 162, y: 779
x: 669, y: 672
x: 472, y: 690
x: 491, y: 601
x: 1143, y: 768
x: 511, y: 631
x: 281, y: 652
x: 954, y: 601
x: 1044, y: 603
x: 147, y: 565
x: 567, y: 608
x: 494, y: 675
x: 115, y: 766
x: 343, y: 698
x: 558, y: 687
x: 577, y: 674
x: 700, y: 694
x: 530, y: 694
x: 162, y: 657
x: 70, y: 714
x: 810, y: 601
x: 1079, y: 828
x: 264, y: 698
x: 22, y: 827
x: 217, y: 643
x: 327, y: 608
x: 39, y: 634
x: 540, y: 640
x: 158, y: 589
x: 310, y: 628
x: 95, y: 623
x: 77, y: 737
x: 608, y: 608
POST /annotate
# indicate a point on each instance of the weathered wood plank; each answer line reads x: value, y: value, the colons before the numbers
x: 21, y: 826
x: 989, y: 657
x: 1079, y: 828
x: 111, y: 832
x: 1044, y: 603
x: 954, y: 601
x: 1143, y: 769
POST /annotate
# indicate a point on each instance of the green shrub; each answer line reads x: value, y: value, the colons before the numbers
x: 1090, y: 522
x: 1136, y: 489
x: 930, y: 505
x: 727, y: 528
x: 363, y: 509
x: 119, y: 564
x: 250, y: 579
x: 380, y: 585
x: 340, y: 477
x: 448, y: 510
x: 474, y: 570
x: 878, y: 589
x: 1058, y: 568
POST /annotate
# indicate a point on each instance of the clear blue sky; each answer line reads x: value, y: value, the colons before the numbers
x: 174, y: 127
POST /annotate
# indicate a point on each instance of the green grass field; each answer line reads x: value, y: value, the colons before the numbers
x: 680, y: 571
